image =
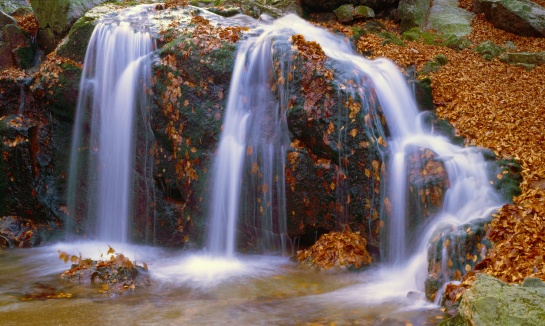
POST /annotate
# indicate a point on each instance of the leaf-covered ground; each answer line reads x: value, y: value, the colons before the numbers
x: 498, y: 106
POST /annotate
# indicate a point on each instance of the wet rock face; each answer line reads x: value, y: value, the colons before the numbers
x: 190, y: 91
x: 454, y: 251
x: 334, y: 167
x: 19, y: 232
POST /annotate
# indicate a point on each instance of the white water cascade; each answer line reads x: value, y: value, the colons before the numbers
x: 112, y: 91
x: 254, y: 136
x: 469, y: 195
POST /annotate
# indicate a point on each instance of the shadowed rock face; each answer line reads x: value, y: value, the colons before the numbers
x: 330, y: 5
x: 518, y: 17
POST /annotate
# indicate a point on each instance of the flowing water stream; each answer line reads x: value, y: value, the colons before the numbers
x: 219, y: 285
x: 112, y: 93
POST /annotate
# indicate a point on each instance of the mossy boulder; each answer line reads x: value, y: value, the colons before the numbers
x: 22, y: 48
x: 413, y: 13
x: 57, y: 85
x: 446, y: 17
x: 60, y: 15
x: 345, y: 13
x: 520, y: 17
x: 492, y: 302
x: 527, y: 58
x: 75, y: 46
x: 10, y: 6
x: 488, y: 50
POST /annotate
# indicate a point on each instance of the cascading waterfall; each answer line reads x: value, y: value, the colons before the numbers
x: 254, y: 135
x: 113, y: 88
x: 469, y: 195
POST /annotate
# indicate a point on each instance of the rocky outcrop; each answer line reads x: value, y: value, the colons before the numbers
x: 10, y: 6
x: 18, y: 232
x: 520, y: 17
x: 492, y: 302
x: 447, y: 18
x: 273, y: 8
x: 60, y: 15
x: 330, y: 5
x: 347, y: 13
x: 413, y: 13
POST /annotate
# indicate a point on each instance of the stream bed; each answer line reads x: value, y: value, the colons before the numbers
x: 193, y: 289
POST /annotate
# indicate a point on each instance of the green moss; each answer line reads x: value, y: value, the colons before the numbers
x: 390, y: 38
x: 25, y: 56
x: 345, y: 13
x: 488, y: 50
x: 456, y: 42
x: 78, y: 39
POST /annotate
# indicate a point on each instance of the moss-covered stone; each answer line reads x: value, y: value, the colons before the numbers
x: 492, y: 302
x: 363, y: 12
x: 456, y: 42
x: 488, y: 50
x: 59, y: 15
x: 75, y: 46
x: 413, y: 13
x: 527, y: 58
x: 11, y: 6
x: 57, y: 84
x: 520, y: 17
x: 434, y: 65
x: 446, y: 17
x: 345, y: 13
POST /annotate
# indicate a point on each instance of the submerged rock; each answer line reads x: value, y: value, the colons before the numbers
x: 118, y: 274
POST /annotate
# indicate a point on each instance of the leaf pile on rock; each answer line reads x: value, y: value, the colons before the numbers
x: 336, y: 251
x: 118, y: 274
x: 176, y: 3
x: 28, y: 23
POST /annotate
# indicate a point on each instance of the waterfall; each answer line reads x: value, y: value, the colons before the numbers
x: 469, y: 194
x: 113, y: 89
x: 254, y: 136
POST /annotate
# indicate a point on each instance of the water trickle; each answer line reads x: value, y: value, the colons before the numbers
x: 112, y: 90
x: 254, y: 136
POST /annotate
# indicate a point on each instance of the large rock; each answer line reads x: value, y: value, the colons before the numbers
x: 492, y: 302
x: 330, y: 5
x: 445, y: 16
x: 273, y: 8
x: 10, y: 6
x: 520, y: 17
x: 413, y: 13
x: 59, y: 15
x: 329, y: 184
